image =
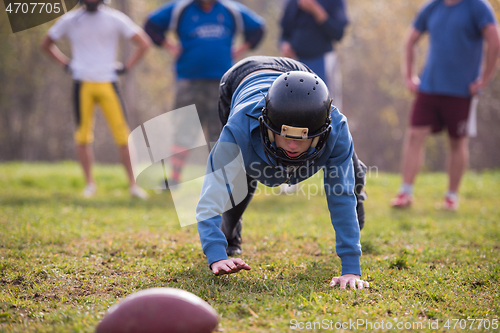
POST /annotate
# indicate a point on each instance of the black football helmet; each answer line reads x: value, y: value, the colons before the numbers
x: 297, y: 107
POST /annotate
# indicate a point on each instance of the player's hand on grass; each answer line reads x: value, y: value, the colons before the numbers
x: 229, y: 266
x: 350, y: 280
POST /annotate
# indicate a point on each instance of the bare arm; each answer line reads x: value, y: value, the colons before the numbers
x: 315, y: 9
x: 53, y: 51
x: 411, y: 80
x: 490, y: 33
x: 287, y: 50
x: 142, y: 43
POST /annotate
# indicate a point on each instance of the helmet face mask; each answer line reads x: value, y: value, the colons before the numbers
x: 297, y: 107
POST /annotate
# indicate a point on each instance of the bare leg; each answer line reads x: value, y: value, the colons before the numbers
x: 86, y: 158
x: 457, y: 162
x: 125, y: 159
x: 413, y: 153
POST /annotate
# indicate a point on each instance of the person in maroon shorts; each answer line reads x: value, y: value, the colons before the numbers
x: 452, y: 76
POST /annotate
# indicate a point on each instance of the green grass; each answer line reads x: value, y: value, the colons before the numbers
x: 64, y: 260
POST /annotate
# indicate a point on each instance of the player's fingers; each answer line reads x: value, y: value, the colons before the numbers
x: 239, y: 261
x: 241, y: 264
x: 217, y: 270
x: 244, y: 266
x: 360, y: 284
x: 334, y: 281
x: 352, y: 283
x: 367, y: 285
x: 223, y: 269
x: 343, y: 283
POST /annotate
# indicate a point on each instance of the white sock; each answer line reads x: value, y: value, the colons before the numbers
x: 406, y: 188
x: 452, y: 195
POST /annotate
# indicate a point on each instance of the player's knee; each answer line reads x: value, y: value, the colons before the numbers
x: 120, y: 134
x: 82, y: 138
x: 418, y: 135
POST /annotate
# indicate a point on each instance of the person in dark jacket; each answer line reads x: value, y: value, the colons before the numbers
x: 310, y: 28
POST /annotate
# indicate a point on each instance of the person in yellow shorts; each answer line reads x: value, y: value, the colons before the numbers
x: 94, y: 31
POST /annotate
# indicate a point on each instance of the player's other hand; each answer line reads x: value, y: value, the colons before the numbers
x: 120, y: 68
x: 412, y: 84
x: 229, y: 266
x: 67, y: 68
x: 287, y: 50
x: 476, y: 87
x: 309, y: 6
x: 173, y: 48
x: 351, y: 280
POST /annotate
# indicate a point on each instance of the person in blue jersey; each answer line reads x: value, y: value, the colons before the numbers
x: 451, y: 77
x: 280, y: 117
x: 206, y: 30
x: 310, y: 28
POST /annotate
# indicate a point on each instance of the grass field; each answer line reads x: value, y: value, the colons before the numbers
x: 64, y: 259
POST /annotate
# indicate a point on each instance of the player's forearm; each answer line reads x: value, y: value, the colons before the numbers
x: 143, y: 43
x: 342, y: 207
x: 53, y: 51
x: 491, y: 58
x: 339, y: 189
x: 213, y: 241
x: 320, y: 14
x: 409, y: 53
x: 409, y: 61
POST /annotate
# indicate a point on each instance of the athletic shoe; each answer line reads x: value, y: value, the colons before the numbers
x: 234, y: 244
x: 136, y: 191
x: 403, y: 200
x: 89, y: 190
x: 450, y: 203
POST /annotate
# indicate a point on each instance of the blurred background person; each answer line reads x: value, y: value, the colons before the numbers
x: 94, y: 31
x: 310, y: 28
x: 203, y: 52
x: 451, y: 76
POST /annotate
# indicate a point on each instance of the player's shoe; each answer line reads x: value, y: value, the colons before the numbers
x: 450, y: 203
x: 234, y: 243
x: 137, y: 192
x: 89, y: 190
x: 402, y: 200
